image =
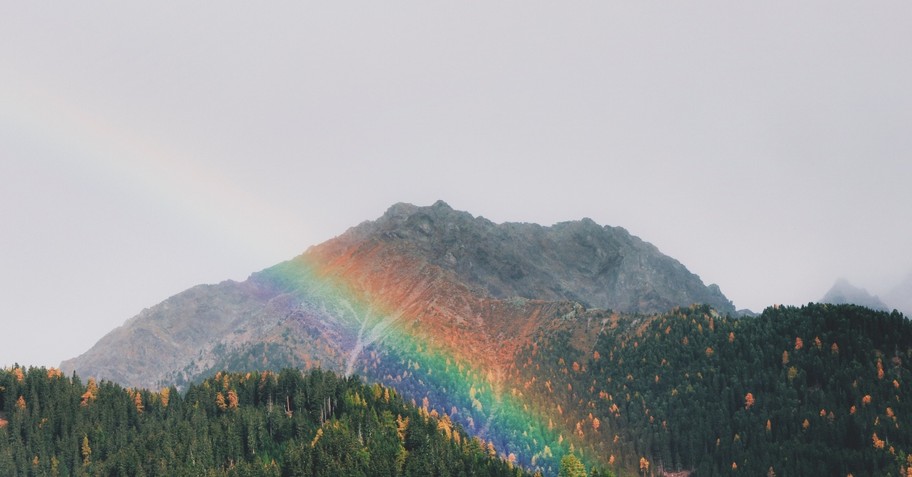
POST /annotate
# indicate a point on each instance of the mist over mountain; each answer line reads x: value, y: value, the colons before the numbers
x: 843, y: 292
x: 900, y: 297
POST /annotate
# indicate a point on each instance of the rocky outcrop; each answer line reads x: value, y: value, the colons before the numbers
x: 581, y: 261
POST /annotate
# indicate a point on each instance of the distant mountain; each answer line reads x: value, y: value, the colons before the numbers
x: 844, y: 292
x: 900, y: 297
x: 431, y: 301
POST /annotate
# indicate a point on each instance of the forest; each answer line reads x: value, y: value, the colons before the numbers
x: 816, y: 390
x: 288, y: 423
x: 812, y: 390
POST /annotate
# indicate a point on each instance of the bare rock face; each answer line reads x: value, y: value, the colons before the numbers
x: 581, y: 261
x: 457, y: 281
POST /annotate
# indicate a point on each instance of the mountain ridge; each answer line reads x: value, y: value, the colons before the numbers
x: 452, y: 274
x: 570, y: 260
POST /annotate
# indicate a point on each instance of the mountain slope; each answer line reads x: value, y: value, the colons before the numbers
x: 817, y: 390
x: 444, y: 271
x: 428, y: 300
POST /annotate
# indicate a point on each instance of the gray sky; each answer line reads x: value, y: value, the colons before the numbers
x: 148, y: 148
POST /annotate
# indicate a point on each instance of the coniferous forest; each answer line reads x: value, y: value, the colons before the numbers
x: 253, y: 424
x: 816, y: 390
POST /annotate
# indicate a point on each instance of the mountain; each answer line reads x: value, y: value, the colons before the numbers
x: 581, y: 261
x: 430, y: 301
x: 900, y: 297
x: 451, y: 274
x: 844, y: 292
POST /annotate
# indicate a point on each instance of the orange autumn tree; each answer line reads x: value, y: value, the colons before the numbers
x: 232, y: 399
x: 90, y: 394
x: 138, y: 402
x: 748, y: 400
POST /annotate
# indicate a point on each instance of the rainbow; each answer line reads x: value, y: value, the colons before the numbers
x: 443, y: 379
x: 77, y: 140
x: 440, y: 378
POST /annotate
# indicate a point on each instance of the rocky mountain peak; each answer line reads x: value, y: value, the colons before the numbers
x: 580, y: 260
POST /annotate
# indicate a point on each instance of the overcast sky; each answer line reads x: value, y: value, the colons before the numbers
x: 148, y: 148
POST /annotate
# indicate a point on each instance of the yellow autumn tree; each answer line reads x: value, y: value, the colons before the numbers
x: 644, y: 465
x: 165, y: 396
x: 317, y: 437
x: 86, y: 450
x: 445, y: 425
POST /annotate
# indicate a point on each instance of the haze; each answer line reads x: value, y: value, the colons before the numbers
x: 148, y: 148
